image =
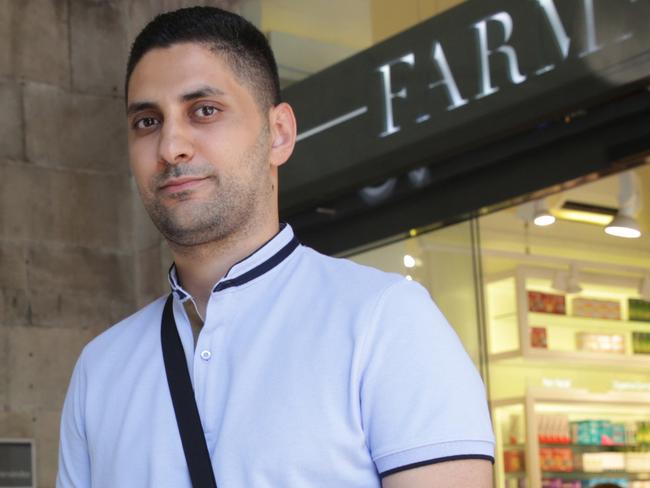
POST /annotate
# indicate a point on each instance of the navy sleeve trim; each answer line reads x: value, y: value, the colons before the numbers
x: 435, y: 461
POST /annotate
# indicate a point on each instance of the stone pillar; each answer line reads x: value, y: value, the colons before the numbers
x: 77, y: 252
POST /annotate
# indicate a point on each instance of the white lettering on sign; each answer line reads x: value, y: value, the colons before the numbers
x: 389, y: 94
x: 487, y: 48
x: 562, y: 40
x: 331, y: 123
x: 590, y: 29
x: 447, y: 79
x: 485, y: 52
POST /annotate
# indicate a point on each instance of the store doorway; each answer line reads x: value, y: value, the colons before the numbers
x: 557, y: 319
x: 567, y: 309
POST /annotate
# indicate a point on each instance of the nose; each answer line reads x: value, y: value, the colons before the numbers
x: 175, y: 144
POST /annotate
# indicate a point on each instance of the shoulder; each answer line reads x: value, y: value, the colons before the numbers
x: 136, y: 331
x: 387, y: 291
x: 343, y: 276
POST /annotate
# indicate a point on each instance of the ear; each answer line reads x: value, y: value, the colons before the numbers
x: 282, y: 122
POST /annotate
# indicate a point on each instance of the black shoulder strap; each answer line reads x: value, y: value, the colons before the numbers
x: 187, y: 414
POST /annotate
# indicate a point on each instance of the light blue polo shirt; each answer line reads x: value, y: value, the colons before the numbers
x: 309, y: 371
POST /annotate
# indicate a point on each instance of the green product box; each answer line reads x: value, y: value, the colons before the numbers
x: 641, y: 342
x: 639, y: 310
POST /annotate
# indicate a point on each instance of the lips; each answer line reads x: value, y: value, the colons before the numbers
x: 181, y: 184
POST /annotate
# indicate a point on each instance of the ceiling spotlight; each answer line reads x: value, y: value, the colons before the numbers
x: 567, y: 282
x: 409, y: 261
x: 542, y: 216
x: 573, y: 282
x: 644, y: 289
x: 624, y: 224
x: 559, y: 281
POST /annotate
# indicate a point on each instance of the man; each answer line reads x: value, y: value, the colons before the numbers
x: 306, y: 371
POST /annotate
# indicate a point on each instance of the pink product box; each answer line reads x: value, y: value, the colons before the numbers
x: 599, y: 309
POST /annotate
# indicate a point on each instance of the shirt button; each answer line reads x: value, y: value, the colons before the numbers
x: 206, y: 355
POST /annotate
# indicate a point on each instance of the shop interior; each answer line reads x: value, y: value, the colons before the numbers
x: 551, y: 298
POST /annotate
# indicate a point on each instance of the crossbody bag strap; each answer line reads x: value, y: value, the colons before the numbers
x: 182, y: 392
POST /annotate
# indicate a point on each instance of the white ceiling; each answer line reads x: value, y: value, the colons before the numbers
x: 504, y: 230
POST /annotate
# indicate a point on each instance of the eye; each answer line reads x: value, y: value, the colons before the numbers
x: 205, y: 111
x: 145, y: 123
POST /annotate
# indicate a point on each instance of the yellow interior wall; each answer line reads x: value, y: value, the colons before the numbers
x: 390, y: 17
x: 341, y: 22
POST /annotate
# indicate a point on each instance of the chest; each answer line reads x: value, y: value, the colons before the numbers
x: 277, y: 392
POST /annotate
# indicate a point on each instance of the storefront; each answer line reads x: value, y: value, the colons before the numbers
x: 434, y: 153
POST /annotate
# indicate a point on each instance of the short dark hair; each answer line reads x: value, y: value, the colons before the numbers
x: 245, y: 48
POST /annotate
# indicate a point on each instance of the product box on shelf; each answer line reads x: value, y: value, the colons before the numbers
x: 598, y: 433
x: 598, y: 342
x: 546, y: 303
x: 639, y: 309
x: 560, y: 483
x: 619, y: 435
x: 637, y: 462
x: 553, y: 429
x: 601, y: 462
x: 641, y: 342
x: 596, y: 308
x: 514, y: 460
x: 558, y: 459
x: 642, y: 434
x: 538, y: 337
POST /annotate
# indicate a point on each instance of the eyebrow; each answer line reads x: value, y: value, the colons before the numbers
x: 203, y: 91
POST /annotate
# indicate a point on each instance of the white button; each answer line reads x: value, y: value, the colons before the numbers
x: 206, y: 355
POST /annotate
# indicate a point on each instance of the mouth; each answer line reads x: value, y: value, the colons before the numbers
x: 176, y: 185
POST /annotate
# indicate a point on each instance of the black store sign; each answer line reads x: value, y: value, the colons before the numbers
x: 471, y: 75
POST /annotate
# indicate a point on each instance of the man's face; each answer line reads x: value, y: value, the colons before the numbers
x: 198, y: 145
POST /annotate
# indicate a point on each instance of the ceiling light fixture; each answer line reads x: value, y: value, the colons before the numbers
x: 585, y: 213
x: 409, y: 261
x: 567, y: 282
x: 573, y: 282
x: 644, y: 289
x: 542, y: 217
x: 625, y: 224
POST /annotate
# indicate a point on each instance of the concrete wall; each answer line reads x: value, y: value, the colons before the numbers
x: 77, y: 252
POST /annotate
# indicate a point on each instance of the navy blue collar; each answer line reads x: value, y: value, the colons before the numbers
x: 264, y: 259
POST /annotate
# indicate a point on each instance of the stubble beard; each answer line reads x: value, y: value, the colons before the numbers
x: 231, y: 208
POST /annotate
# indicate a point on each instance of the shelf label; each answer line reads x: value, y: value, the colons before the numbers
x: 557, y: 383
x: 630, y: 385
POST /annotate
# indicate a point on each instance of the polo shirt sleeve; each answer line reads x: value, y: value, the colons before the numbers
x: 422, y: 399
x: 74, y: 460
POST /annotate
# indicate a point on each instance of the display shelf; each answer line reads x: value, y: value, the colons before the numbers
x: 565, y: 338
x: 574, y: 321
x: 600, y: 447
x: 582, y: 475
x: 522, y: 418
x: 540, y: 358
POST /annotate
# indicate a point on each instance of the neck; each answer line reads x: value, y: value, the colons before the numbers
x: 200, y: 267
